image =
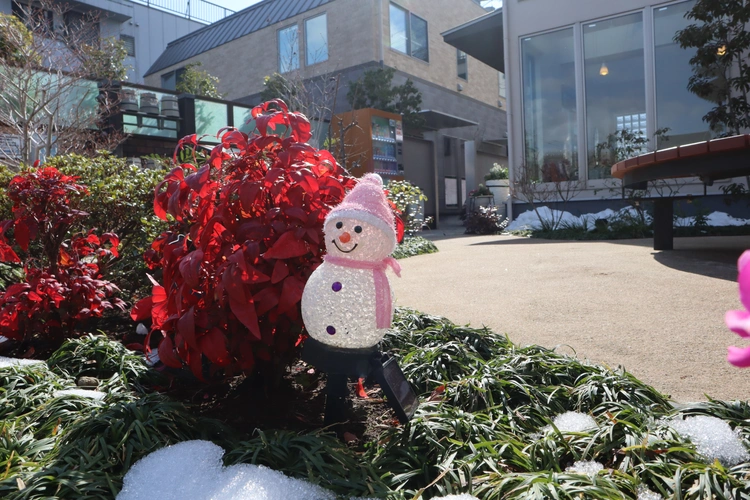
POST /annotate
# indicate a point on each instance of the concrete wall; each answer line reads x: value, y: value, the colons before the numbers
x: 242, y: 64
x: 442, y: 15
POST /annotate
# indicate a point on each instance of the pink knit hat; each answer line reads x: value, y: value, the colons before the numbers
x: 366, y: 202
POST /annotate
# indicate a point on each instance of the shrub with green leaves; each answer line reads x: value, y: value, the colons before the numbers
x: 407, y: 197
x: 414, y: 245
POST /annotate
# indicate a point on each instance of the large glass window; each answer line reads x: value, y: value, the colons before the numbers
x: 549, y: 106
x: 615, y: 89
x: 408, y: 33
x: 677, y: 109
x: 316, y: 39
x: 288, y: 49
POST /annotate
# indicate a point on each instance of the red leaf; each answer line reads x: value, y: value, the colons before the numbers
x: 190, y: 268
x: 186, y: 327
x: 361, y: 389
x: 167, y: 354
x: 300, y: 127
x: 142, y: 309
x: 159, y: 313
x: 286, y: 247
x: 214, y: 345
x: 291, y: 294
x: 399, y: 229
x: 280, y: 271
x: 265, y: 300
x: 7, y: 254
x: 240, y: 303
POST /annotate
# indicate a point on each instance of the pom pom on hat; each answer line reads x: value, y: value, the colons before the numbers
x: 367, y: 202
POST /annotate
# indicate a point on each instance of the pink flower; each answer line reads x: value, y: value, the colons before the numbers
x: 739, y: 320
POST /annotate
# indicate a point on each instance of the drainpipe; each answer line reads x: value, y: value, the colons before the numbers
x: 508, y: 105
x: 381, y: 20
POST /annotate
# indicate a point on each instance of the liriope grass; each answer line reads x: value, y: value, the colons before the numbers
x: 485, y: 427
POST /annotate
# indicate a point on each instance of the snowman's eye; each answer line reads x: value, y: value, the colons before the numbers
x: 357, y: 229
x: 339, y: 225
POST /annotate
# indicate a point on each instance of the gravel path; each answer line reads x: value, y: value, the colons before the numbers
x: 658, y: 314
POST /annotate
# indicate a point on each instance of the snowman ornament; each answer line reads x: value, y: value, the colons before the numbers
x: 347, y: 301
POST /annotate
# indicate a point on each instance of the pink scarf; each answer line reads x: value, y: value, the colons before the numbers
x: 383, y: 300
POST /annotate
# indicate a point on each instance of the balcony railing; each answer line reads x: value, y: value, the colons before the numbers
x: 197, y: 10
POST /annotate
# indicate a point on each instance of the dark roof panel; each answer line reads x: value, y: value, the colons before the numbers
x: 244, y: 22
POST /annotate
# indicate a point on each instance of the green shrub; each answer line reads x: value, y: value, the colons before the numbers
x: 414, y: 245
x: 407, y: 197
x: 497, y: 173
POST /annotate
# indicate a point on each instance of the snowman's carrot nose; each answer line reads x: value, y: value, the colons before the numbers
x: 345, y: 237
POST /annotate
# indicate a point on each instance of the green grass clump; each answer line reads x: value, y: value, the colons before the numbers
x: 414, y: 245
x: 97, y: 356
x: 485, y: 427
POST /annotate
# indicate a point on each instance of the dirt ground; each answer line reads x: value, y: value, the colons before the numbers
x: 660, y: 314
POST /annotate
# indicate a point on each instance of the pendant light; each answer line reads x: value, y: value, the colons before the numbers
x: 604, y: 70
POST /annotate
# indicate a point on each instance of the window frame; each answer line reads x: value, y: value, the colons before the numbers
x: 410, y: 16
x: 307, y: 44
x: 465, y: 76
x: 176, y: 73
x: 128, y: 44
x: 279, y: 31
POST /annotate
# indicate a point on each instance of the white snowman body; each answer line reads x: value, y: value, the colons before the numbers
x: 339, y: 301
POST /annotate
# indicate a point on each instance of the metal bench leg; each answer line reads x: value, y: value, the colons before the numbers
x: 663, y: 234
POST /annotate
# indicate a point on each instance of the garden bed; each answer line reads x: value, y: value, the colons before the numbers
x: 489, y: 424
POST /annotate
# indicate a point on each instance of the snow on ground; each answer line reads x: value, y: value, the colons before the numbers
x: 572, y: 421
x: 646, y: 494
x: 193, y: 470
x: 80, y: 392
x: 6, y: 362
x: 529, y: 220
x: 585, y: 467
x: 713, y: 438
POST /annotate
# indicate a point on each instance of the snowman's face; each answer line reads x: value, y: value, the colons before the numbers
x: 356, y: 240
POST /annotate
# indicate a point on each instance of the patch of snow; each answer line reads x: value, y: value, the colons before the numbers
x: 7, y: 362
x: 713, y: 438
x: 646, y: 494
x: 152, y: 358
x: 80, y: 392
x: 3, y: 338
x: 530, y: 221
x: 193, y: 471
x: 585, y: 467
x: 572, y: 421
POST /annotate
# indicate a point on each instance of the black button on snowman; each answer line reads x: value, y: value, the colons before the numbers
x: 347, y: 301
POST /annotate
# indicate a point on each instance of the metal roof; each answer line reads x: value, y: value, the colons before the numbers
x: 244, y: 22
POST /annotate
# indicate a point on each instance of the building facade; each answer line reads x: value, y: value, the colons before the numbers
x: 585, y: 78
x: 145, y: 27
x: 341, y: 39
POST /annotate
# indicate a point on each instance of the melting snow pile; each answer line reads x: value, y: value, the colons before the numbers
x: 193, y: 470
x: 584, y: 467
x: 713, y: 438
x: 80, y: 392
x: 6, y: 362
x: 530, y: 221
x: 572, y: 421
x: 646, y: 494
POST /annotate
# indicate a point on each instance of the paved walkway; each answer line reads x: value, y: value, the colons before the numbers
x: 659, y: 314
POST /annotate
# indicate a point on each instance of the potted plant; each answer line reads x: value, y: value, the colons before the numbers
x: 480, y: 197
x: 498, y: 183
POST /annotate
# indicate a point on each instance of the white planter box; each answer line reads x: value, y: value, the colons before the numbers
x: 501, y: 191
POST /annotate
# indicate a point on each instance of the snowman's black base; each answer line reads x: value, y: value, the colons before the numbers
x: 340, y: 364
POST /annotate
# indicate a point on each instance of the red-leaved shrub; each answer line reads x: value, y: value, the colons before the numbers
x: 249, y: 233
x: 63, y: 282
